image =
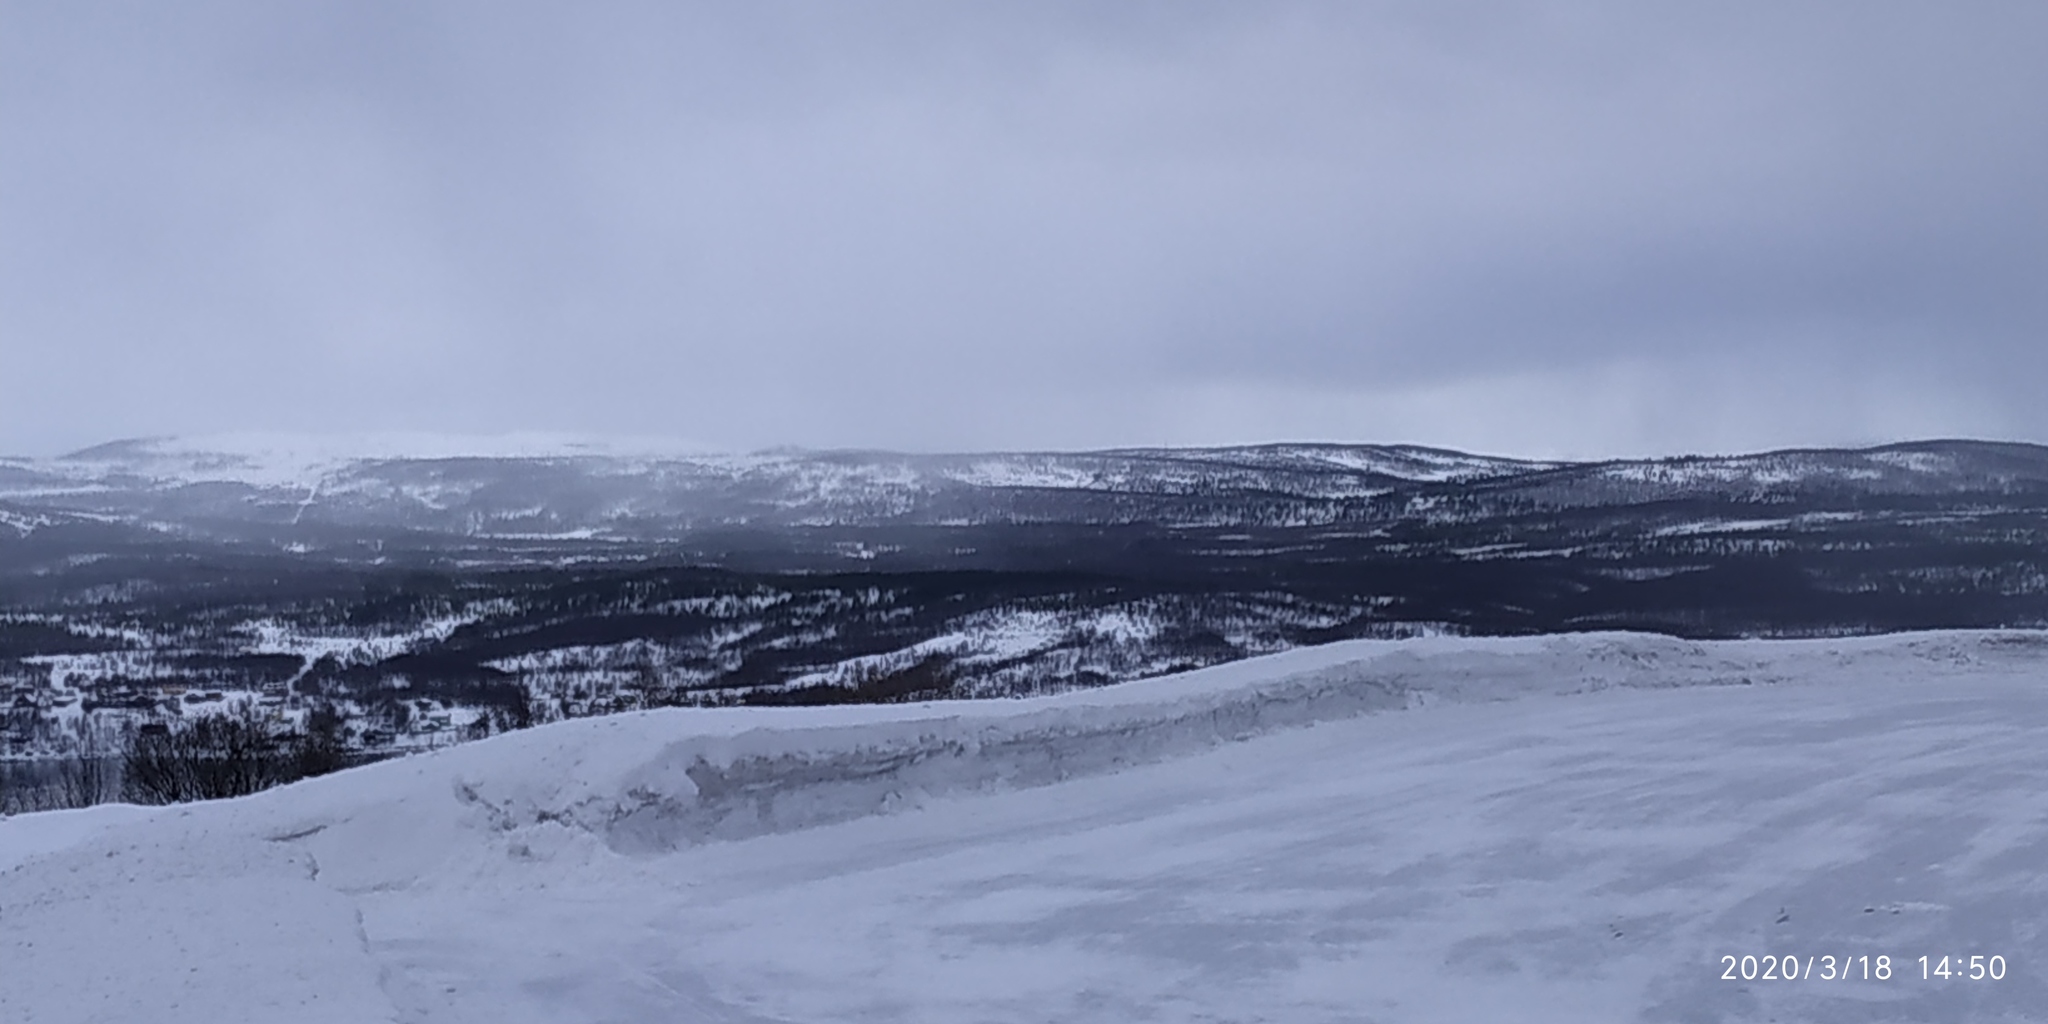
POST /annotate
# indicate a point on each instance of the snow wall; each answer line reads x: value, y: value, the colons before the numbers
x: 654, y: 781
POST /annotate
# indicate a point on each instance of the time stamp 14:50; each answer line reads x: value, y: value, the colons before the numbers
x: 1866, y: 968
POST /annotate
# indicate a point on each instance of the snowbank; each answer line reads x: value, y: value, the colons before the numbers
x: 32, y: 835
x: 681, y: 777
x: 253, y: 909
x: 650, y: 781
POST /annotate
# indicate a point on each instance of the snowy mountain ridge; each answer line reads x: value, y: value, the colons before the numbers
x: 539, y: 486
x: 426, y: 598
x: 312, y: 462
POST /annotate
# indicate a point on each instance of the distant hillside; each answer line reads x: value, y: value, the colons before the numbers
x: 549, y: 579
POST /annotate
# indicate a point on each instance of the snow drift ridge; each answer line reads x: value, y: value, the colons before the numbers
x: 684, y: 777
x: 522, y: 879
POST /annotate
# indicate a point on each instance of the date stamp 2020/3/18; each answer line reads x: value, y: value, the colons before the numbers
x: 1788, y: 967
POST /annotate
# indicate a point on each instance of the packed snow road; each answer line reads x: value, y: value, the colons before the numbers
x: 1568, y: 829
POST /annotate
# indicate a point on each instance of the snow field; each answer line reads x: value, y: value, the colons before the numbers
x: 1564, y: 829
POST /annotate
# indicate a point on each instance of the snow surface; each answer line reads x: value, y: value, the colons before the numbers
x: 1543, y: 829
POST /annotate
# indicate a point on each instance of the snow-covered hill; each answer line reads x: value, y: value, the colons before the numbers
x: 297, y: 491
x: 1541, y: 829
x: 538, y: 485
x: 428, y: 587
x: 305, y: 460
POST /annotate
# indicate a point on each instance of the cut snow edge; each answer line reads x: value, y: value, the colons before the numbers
x: 648, y: 782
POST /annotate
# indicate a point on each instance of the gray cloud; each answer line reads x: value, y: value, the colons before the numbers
x: 1565, y: 229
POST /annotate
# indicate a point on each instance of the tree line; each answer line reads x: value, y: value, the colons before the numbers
x: 206, y: 757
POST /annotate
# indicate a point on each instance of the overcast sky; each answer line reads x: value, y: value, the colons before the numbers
x: 1555, y: 230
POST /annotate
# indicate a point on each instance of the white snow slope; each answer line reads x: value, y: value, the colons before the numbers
x: 1560, y: 829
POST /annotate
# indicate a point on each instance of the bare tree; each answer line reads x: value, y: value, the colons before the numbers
x: 321, y: 748
x: 208, y: 757
x: 227, y: 754
x: 83, y: 775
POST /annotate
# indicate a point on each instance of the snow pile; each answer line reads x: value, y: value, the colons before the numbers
x: 1561, y: 829
x: 700, y: 774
